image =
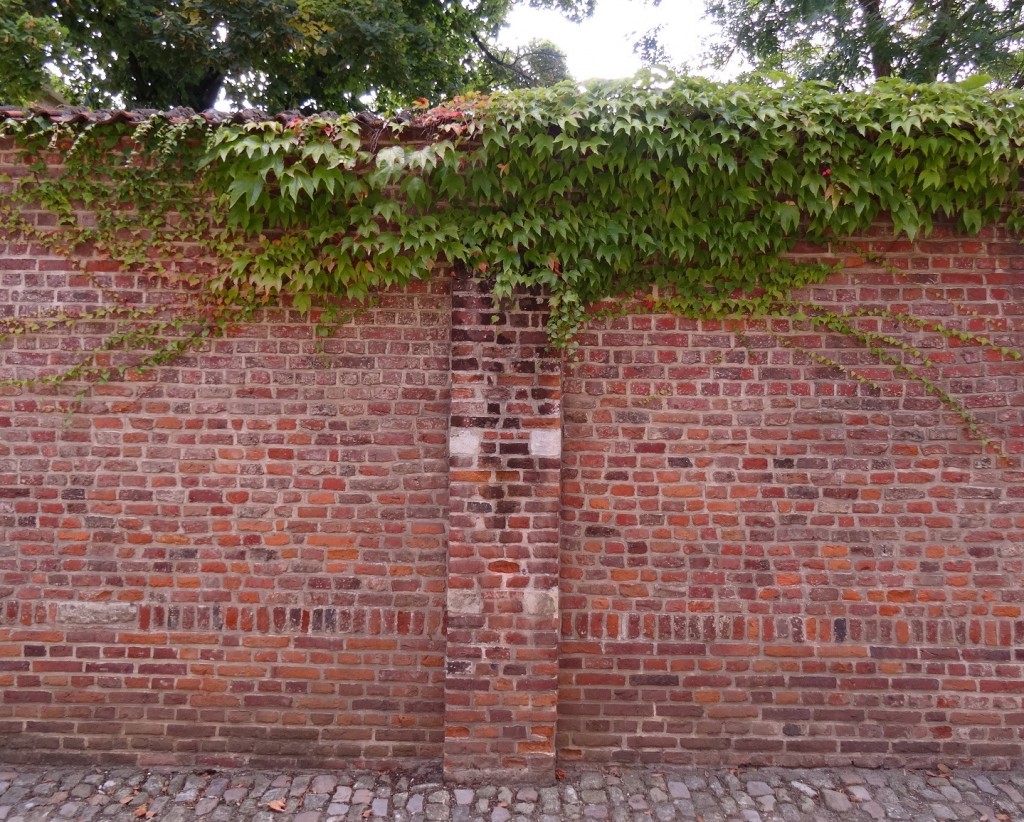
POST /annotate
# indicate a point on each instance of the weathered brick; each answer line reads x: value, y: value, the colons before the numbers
x: 793, y: 523
x: 193, y: 528
x: 500, y: 568
x: 692, y: 542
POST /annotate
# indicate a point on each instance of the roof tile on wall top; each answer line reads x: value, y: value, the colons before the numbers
x: 406, y: 127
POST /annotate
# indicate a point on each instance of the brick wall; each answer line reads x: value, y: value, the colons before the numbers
x: 238, y: 558
x: 501, y: 689
x: 268, y: 553
x: 765, y: 561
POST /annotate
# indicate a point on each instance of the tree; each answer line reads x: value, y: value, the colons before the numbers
x: 277, y: 54
x: 26, y: 42
x: 850, y: 42
x: 539, y: 63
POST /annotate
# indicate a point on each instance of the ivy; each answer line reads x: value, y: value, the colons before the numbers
x: 661, y: 185
x: 671, y: 182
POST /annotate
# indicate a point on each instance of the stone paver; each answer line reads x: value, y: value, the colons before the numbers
x: 620, y: 794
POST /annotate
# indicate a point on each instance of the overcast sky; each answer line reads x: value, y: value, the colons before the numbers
x: 602, y: 46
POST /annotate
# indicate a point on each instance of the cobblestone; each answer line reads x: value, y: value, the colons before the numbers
x: 33, y: 794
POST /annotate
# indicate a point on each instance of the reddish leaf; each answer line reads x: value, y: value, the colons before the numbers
x: 277, y: 805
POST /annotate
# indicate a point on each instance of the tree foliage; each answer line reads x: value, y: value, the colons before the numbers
x: 276, y: 54
x: 26, y: 42
x: 849, y: 42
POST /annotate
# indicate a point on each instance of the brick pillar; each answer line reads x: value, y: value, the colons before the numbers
x: 505, y: 442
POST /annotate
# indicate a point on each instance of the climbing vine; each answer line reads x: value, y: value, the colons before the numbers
x: 677, y: 187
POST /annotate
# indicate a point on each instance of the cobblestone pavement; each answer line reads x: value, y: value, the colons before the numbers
x: 28, y: 794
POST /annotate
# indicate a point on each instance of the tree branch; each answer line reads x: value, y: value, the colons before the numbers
x: 493, y: 58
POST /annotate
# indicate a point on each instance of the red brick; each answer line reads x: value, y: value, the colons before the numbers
x: 835, y: 560
x: 757, y: 558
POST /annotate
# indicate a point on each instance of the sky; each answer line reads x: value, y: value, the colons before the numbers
x: 602, y: 46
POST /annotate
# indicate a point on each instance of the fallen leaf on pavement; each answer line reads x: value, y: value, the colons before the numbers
x: 140, y: 812
x: 277, y: 805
